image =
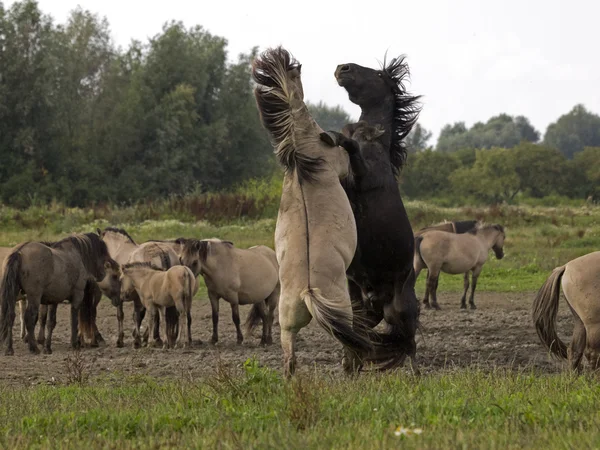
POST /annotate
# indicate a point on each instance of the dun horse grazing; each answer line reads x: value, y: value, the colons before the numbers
x: 457, y: 227
x: 440, y: 251
x: 239, y: 276
x: 381, y: 275
x: 315, y: 234
x: 580, y: 282
x: 54, y: 272
x: 124, y: 250
x: 158, y: 289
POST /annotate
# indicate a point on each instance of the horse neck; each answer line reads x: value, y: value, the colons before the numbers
x: 381, y: 113
x: 487, y: 236
x: 140, y: 275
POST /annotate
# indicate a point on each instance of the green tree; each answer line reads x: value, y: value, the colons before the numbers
x: 587, y: 166
x: 427, y: 173
x: 541, y: 170
x: 499, y: 131
x: 329, y: 117
x: 418, y: 138
x: 492, y: 179
x: 573, y: 131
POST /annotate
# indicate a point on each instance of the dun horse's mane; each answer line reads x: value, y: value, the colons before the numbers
x: 406, y: 110
x: 120, y: 231
x: 274, y: 100
x: 484, y: 226
x: 142, y: 264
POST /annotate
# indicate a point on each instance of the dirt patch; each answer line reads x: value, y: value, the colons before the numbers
x: 498, y: 334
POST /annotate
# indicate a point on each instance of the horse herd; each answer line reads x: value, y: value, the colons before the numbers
x: 345, y: 252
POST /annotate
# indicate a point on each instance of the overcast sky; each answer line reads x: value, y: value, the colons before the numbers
x: 470, y: 59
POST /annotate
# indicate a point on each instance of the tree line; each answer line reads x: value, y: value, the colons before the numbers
x: 83, y: 121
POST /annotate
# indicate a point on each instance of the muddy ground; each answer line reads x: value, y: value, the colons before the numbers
x: 498, y: 334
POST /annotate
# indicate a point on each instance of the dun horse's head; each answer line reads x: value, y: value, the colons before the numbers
x: 195, y: 252
x: 278, y: 68
x: 111, y: 285
x: 498, y: 246
x: 127, y: 286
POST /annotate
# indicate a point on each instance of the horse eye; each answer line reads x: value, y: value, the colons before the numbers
x: 379, y: 74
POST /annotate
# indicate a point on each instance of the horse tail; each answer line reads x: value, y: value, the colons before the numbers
x: 10, y: 285
x: 418, y: 241
x: 254, y: 317
x: 544, y: 310
x: 88, y: 310
x: 336, y: 321
x: 280, y: 112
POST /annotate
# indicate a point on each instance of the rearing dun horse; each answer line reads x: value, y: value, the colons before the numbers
x: 315, y: 235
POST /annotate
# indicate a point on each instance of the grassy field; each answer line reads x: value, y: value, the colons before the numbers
x: 256, y: 409
x: 252, y: 407
x: 538, y: 238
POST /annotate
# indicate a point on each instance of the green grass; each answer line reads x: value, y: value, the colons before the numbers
x: 257, y: 409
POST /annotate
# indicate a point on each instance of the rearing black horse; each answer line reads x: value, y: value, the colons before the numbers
x: 381, y: 276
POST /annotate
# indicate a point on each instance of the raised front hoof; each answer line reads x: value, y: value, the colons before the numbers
x: 47, y: 351
x: 472, y: 306
x: 329, y: 138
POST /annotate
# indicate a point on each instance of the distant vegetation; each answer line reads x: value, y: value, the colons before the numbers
x: 170, y: 120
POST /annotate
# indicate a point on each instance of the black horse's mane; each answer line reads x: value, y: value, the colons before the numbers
x: 406, y: 110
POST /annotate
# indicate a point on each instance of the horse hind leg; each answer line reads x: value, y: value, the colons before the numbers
x: 476, y: 273
x: 22, y: 306
x: 235, y: 316
x: 593, y: 346
x: 463, y: 301
x: 578, y: 343
x: 51, y: 312
x: 42, y: 316
x: 433, y: 278
x: 31, y: 313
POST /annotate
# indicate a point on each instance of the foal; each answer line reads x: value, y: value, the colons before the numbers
x: 157, y: 290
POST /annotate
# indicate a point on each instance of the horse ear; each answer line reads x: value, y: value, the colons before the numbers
x: 99, y: 231
x: 228, y: 243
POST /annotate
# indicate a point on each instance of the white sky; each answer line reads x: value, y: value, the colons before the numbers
x: 471, y: 59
